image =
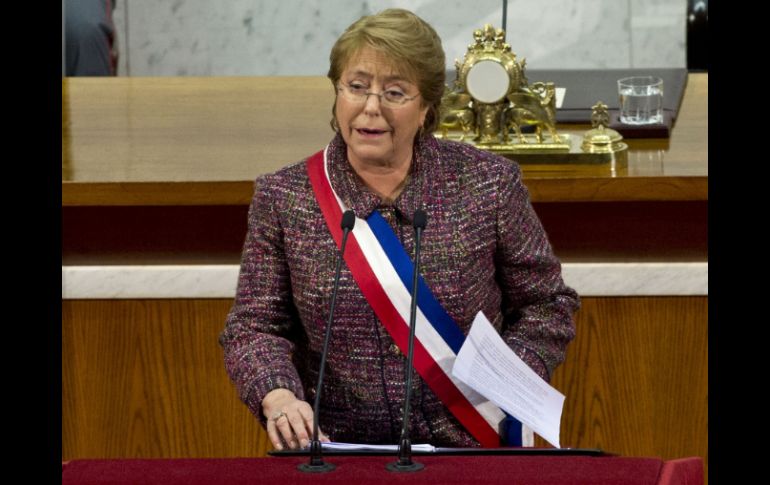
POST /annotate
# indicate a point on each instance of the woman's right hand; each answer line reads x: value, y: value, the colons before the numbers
x: 289, y: 420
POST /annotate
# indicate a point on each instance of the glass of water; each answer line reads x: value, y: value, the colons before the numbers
x: 641, y: 100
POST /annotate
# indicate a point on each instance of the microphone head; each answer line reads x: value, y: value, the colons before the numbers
x: 348, y: 220
x: 420, y: 219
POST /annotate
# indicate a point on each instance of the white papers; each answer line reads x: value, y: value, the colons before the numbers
x: 357, y: 446
x: 491, y: 368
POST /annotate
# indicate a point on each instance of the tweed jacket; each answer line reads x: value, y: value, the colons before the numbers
x: 484, y: 249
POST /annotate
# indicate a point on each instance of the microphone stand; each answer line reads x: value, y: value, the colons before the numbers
x: 405, y: 463
x: 317, y: 464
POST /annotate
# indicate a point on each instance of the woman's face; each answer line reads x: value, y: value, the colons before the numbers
x: 377, y: 134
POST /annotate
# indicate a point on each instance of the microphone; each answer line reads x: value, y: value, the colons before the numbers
x: 317, y: 464
x: 405, y: 463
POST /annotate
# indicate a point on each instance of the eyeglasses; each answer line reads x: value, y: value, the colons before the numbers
x: 390, y: 98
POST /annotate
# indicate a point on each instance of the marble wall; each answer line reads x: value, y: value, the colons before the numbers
x: 293, y: 37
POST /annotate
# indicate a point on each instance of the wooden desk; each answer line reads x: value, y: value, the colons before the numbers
x: 202, y: 141
x: 156, y: 146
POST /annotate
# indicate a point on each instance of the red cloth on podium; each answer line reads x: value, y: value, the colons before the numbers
x: 685, y: 471
x: 447, y: 470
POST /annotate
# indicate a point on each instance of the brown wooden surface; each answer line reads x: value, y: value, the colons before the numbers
x: 145, y: 378
x: 636, y: 377
x: 578, y: 231
x: 202, y: 141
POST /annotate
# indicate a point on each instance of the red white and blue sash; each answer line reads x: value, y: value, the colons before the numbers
x: 383, y: 270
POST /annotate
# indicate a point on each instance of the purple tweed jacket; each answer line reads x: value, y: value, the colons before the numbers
x: 483, y: 249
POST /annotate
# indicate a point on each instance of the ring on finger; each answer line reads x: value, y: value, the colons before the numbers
x: 278, y: 415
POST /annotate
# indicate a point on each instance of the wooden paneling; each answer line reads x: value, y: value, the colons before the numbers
x: 627, y: 231
x: 153, y: 235
x: 145, y: 378
x: 578, y: 231
x: 636, y: 377
x: 597, y: 189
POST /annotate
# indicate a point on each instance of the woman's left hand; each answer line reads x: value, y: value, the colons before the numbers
x: 289, y: 420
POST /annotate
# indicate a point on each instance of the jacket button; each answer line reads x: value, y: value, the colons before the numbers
x: 395, y: 350
x: 359, y: 393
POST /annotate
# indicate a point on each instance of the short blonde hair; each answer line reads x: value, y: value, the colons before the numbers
x: 409, y: 41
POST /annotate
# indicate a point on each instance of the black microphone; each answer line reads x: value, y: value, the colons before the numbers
x: 405, y: 463
x: 317, y: 464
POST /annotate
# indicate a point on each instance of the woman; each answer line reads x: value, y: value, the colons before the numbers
x: 484, y: 249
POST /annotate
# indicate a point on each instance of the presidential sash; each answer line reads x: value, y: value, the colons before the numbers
x: 383, y: 271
